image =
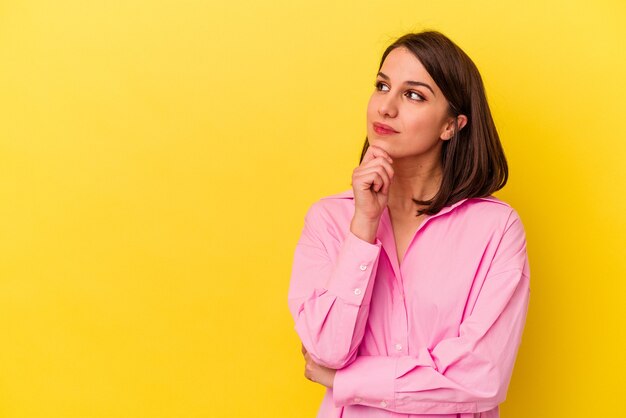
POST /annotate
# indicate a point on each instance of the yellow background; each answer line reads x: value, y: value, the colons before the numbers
x: 157, y: 159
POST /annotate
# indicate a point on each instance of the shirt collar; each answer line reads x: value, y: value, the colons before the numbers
x: 349, y: 194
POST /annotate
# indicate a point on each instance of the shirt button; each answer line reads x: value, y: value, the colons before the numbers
x: 398, y: 347
x: 363, y: 267
x: 357, y: 291
x: 383, y: 404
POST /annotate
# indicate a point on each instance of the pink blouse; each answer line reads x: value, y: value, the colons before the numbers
x: 436, y: 336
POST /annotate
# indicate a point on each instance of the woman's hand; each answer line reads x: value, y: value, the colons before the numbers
x: 316, y: 373
x: 370, y: 182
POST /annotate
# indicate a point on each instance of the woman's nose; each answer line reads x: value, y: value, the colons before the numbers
x: 387, y: 106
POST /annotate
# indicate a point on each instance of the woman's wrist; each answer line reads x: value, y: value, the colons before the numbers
x: 364, y: 228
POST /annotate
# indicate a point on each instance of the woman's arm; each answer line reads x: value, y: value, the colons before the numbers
x: 330, y: 291
x: 331, y: 283
x: 317, y: 373
x: 468, y: 373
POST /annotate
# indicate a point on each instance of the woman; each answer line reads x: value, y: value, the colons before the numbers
x: 410, y: 291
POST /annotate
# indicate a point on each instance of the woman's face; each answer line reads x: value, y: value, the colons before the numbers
x: 407, y: 114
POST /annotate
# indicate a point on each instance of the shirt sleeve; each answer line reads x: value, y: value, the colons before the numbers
x: 330, y: 290
x: 465, y: 374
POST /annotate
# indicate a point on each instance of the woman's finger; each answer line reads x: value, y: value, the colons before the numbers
x: 374, y: 152
x: 370, y: 180
x: 376, y: 175
x: 379, y: 161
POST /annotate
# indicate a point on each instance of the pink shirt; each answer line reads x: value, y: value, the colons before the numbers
x: 436, y: 336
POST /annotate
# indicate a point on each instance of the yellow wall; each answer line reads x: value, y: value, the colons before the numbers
x: 157, y: 159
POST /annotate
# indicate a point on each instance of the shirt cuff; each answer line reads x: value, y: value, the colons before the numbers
x: 366, y: 381
x: 356, y: 264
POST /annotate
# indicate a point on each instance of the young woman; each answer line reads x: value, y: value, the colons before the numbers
x: 410, y: 291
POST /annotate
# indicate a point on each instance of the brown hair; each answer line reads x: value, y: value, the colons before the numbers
x: 473, y: 160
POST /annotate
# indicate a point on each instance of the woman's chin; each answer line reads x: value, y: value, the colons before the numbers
x: 380, y: 144
x: 385, y: 147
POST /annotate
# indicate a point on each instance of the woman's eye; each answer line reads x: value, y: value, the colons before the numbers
x: 414, y: 95
x: 381, y: 86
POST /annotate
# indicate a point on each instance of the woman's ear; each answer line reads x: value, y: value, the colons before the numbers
x: 451, y: 126
x: 461, y: 121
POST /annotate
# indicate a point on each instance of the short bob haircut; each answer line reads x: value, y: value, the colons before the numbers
x: 473, y: 160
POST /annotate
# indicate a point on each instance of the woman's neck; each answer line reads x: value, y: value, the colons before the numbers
x: 413, y: 180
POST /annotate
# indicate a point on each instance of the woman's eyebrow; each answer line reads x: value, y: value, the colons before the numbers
x: 409, y: 82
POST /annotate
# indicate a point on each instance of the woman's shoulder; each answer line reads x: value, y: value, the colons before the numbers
x: 336, y: 208
x: 346, y: 194
x: 489, y: 204
x: 490, y: 210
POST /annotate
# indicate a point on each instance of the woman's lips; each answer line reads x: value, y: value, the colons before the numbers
x: 383, y: 129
